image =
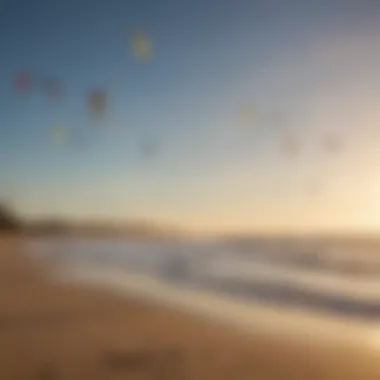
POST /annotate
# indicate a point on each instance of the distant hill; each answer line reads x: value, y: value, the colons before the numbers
x: 8, y: 219
x: 131, y: 229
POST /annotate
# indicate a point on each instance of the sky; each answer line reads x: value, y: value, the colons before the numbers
x: 306, y: 69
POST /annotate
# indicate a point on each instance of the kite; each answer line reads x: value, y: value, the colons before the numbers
x: 23, y: 81
x: 59, y: 134
x: 331, y: 143
x: 149, y: 149
x: 290, y: 145
x: 97, y: 102
x: 247, y: 116
x: 141, y: 46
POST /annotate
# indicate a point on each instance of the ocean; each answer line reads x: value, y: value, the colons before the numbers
x: 334, y: 277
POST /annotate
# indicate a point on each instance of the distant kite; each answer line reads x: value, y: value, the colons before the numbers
x: 331, y: 143
x: 247, y: 116
x: 141, y: 46
x: 59, y: 134
x: 97, y: 102
x: 290, y: 145
x: 149, y: 148
x: 23, y: 81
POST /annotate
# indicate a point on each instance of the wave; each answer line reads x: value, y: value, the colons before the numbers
x: 264, y: 273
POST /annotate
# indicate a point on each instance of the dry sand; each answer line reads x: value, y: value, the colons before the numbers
x: 62, y: 332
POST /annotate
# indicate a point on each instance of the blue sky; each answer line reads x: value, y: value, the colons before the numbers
x: 312, y: 63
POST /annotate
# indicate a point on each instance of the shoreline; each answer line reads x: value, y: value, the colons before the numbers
x: 73, y: 330
x: 247, y: 316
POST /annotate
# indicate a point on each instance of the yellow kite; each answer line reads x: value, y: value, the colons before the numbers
x: 59, y: 134
x: 141, y: 46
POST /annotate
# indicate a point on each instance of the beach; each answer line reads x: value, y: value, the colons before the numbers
x: 65, y: 331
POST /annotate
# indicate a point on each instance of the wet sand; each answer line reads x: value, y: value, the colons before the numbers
x: 51, y: 331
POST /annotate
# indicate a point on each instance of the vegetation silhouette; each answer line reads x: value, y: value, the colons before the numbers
x: 8, y: 219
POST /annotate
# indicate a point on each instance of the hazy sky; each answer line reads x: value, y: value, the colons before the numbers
x: 308, y: 68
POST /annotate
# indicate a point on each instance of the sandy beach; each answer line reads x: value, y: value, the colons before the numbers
x: 51, y: 331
